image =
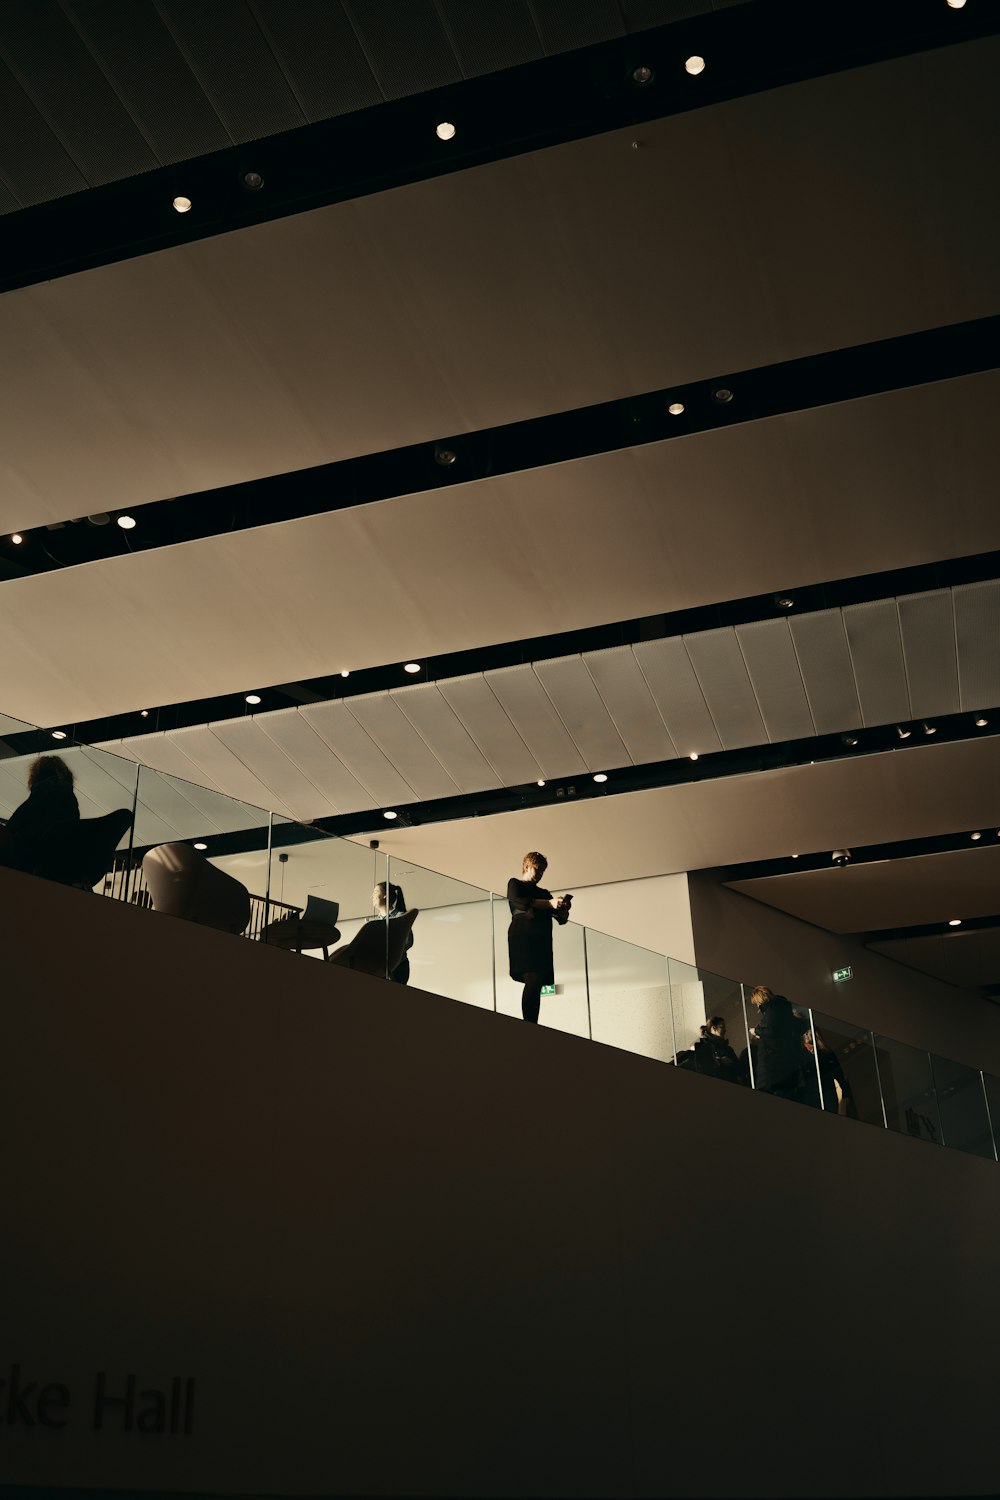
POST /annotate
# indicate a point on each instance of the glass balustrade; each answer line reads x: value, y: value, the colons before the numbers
x: 195, y: 852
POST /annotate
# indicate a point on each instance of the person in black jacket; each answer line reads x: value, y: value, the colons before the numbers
x: 51, y: 809
x: 779, y: 1056
x: 529, y: 936
x: 714, y: 1057
x: 389, y: 901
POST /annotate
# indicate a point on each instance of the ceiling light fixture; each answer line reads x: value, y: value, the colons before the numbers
x: 975, y: 836
x: 345, y: 673
x: 539, y: 783
x: 600, y: 776
x: 412, y: 666
x: 58, y: 734
x: 144, y: 713
x: 955, y: 922
x: 444, y: 130
x: 695, y: 65
x: 444, y: 455
x: 201, y: 846
x: 956, y: 4
x: 676, y: 408
x: 127, y: 523
x: 850, y: 740
x: 928, y: 728
x: 642, y: 76
x: 784, y: 601
x: 904, y: 734
x: 693, y: 755
x: 182, y: 205
x: 17, y: 539
x: 722, y: 394
x: 981, y: 723
x: 253, y: 698
x: 390, y: 814
x: 252, y: 181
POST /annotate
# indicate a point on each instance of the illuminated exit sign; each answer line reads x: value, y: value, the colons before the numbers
x: 839, y: 975
x: 550, y: 989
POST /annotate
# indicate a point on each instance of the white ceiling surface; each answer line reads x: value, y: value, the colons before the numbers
x: 759, y: 230
x: 729, y: 688
x: 902, y: 478
x: 967, y: 959
x: 699, y: 825
x: 961, y: 883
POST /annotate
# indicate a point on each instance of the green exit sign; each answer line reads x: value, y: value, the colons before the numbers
x: 548, y: 989
x: 839, y: 975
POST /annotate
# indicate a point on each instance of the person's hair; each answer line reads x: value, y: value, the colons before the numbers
x: 397, y: 901
x: 538, y: 861
x: 760, y: 995
x: 49, y: 768
x: 710, y: 1025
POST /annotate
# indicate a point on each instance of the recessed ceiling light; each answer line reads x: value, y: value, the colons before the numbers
x: 144, y: 713
x: 676, y: 408
x: 253, y: 697
x: 201, y: 846
x: 981, y: 723
x: 412, y: 666
x: 693, y: 755
x: 795, y: 856
x: 390, y: 814
x: 58, y: 734
x: 956, y: 4
x: 601, y: 776
x: 445, y: 130
x: 182, y: 205
x: 694, y: 66
x: 850, y: 740
x: 722, y: 393
x: 784, y: 601
x: 955, y: 922
x: 539, y: 783
x: 904, y: 734
x: 253, y: 181
x: 17, y: 539
x: 928, y: 728
x: 444, y: 455
x: 345, y: 674
x: 642, y: 76
x: 127, y: 523
x: 975, y: 836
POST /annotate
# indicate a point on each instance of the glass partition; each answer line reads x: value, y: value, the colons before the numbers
x: 320, y: 886
x: 564, y: 1005
x: 451, y: 952
x: 629, y: 996
x: 908, y: 1093
x: 962, y: 1107
x: 850, y: 1070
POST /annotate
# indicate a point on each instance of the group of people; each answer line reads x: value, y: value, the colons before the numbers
x: 786, y: 1056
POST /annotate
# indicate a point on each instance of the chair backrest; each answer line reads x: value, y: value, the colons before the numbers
x: 83, y: 852
x: 378, y: 947
x: 184, y: 884
x: 318, y: 909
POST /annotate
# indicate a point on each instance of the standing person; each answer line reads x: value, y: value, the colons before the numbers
x: 51, y: 810
x: 529, y: 936
x: 390, y: 902
x: 778, y: 1056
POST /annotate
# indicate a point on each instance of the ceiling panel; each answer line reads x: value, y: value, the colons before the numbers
x: 575, y: 697
x: 530, y: 710
x: 930, y: 651
x: 777, y: 681
x: 977, y: 626
x: 436, y: 721
x: 892, y: 893
x: 968, y: 959
x: 725, y: 683
x: 677, y: 693
x: 402, y: 744
x: 215, y: 761
x: 288, y: 786
x: 626, y: 696
x: 359, y: 753
x: 489, y: 726
x: 824, y: 655
x: 158, y: 383
x: 298, y: 733
x: 877, y: 659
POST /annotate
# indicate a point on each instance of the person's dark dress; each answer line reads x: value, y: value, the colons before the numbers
x: 50, y: 806
x: 529, y: 936
x: 401, y: 973
x: 780, y: 1058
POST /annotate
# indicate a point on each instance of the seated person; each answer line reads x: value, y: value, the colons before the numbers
x: 51, y: 808
x: 391, y: 903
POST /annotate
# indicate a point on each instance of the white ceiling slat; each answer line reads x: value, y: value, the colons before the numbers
x: 777, y: 680
x: 677, y: 693
x: 725, y: 682
x: 221, y: 766
x: 930, y: 652
x: 435, y: 720
x: 169, y: 786
x: 575, y: 698
x: 876, y: 649
x: 162, y: 752
x: 290, y: 789
x: 530, y: 710
x: 337, y: 789
x: 379, y: 715
x: 827, y: 671
x: 488, y: 724
x: 359, y: 753
x: 977, y: 627
x: 625, y: 693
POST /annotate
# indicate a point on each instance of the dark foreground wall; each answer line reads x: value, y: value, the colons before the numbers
x: 406, y: 1247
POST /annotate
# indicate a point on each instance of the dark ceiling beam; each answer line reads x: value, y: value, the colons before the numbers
x: 747, y: 48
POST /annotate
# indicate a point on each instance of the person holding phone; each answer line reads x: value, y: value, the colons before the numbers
x: 529, y: 936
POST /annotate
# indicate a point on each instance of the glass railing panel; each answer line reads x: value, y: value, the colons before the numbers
x: 709, y: 1024
x: 451, y: 952
x: 564, y: 1005
x: 849, y: 1070
x: 629, y: 996
x: 320, y: 884
x: 964, y: 1114
x: 991, y: 1093
x: 908, y: 1091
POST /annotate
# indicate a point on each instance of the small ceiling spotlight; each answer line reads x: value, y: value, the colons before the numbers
x: 722, y: 394
x: 955, y: 922
x: 200, y: 846
x: 975, y: 836
x: 445, y: 130
x: 676, y: 408
x: 444, y: 455
x: 904, y: 734
x: 784, y: 601
x: 252, y: 181
x: 956, y: 4
x: 694, y: 66
x: 928, y: 728
x: 182, y: 205
x: 795, y: 856
x: 642, y: 76
x: 144, y: 713
x: 981, y: 723
x: 99, y: 518
x: 600, y: 776
x: 539, y: 783
x: 390, y: 814
x: 850, y: 740
x: 411, y: 667
x: 693, y: 755
x: 17, y: 539
x: 345, y: 673
x: 253, y: 698
x: 58, y: 734
x: 127, y: 523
